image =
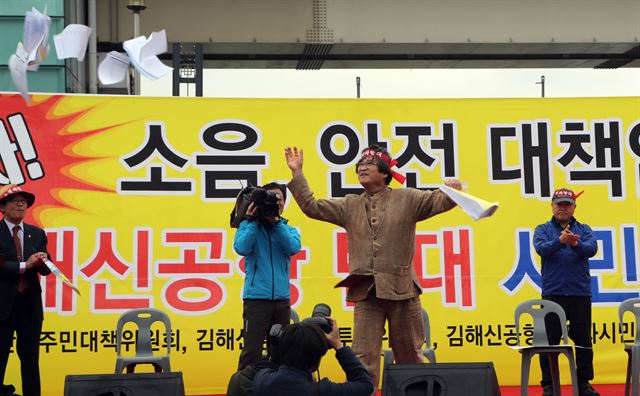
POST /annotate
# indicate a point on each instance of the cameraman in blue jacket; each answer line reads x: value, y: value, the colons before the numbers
x: 267, y: 242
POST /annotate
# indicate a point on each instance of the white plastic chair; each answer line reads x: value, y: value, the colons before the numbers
x: 538, y: 309
x: 295, y: 318
x: 143, y: 318
x: 633, y: 350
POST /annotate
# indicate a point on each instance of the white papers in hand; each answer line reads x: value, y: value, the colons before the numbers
x: 144, y: 52
x: 475, y: 207
x: 72, y: 42
x: 113, y: 68
x: 56, y: 271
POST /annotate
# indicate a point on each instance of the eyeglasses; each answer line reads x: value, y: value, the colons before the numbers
x: 366, y: 164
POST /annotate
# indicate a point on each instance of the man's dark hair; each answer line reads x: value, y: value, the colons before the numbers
x: 383, y: 167
x: 273, y: 185
x: 302, y: 346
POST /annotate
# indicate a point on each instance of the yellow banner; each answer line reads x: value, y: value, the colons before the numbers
x: 135, y: 195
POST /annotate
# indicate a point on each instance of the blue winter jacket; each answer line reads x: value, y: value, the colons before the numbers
x: 565, y: 269
x: 266, y: 250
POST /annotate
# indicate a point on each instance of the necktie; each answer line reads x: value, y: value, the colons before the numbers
x: 16, y: 241
x: 22, y: 281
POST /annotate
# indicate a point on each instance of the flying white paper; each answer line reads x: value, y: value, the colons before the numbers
x: 32, y: 51
x: 34, y: 37
x: 18, y: 70
x: 144, y: 52
x: 475, y: 207
x: 113, y: 68
x: 72, y: 42
x: 156, y: 45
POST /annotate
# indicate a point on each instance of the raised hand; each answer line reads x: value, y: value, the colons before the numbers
x: 453, y: 183
x: 294, y: 159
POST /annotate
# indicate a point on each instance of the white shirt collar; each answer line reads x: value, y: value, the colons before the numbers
x: 11, y: 225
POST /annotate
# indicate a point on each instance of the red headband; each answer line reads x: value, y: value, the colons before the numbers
x: 391, y: 162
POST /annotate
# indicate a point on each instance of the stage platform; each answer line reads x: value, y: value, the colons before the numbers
x: 605, y: 390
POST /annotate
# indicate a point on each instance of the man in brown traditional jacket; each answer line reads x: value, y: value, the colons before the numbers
x: 381, y: 227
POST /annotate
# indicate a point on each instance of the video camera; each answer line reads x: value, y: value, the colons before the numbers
x: 265, y: 202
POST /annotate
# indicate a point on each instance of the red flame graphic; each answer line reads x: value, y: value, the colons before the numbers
x: 54, y: 146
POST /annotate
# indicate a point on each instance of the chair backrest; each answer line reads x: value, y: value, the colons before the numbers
x: 538, y: 309
x: 427, y: 330
x: 144, y: 318
x: 631, y: 305
x: 295, y: 318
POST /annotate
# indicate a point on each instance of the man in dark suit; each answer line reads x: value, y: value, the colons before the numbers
x: 23, y: 247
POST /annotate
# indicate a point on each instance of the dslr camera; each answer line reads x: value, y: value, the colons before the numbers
x: 319, y: 317
x: 265, y: 202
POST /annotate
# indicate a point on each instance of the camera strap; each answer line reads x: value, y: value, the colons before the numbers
x: 315, y: 389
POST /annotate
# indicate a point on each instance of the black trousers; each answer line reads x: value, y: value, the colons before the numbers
x: 258, y: 317
x: 578, y: 311
x: 23, y: 321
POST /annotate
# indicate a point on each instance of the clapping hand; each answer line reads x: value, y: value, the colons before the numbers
x: 569, y: 238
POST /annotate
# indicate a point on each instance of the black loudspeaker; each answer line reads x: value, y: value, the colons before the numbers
x: 440, y: 379
x: 134, y: 384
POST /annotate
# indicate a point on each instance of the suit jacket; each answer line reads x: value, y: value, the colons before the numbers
x: 381, y: 233
x: 35, y: 240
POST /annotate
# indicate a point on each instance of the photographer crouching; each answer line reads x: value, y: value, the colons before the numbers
x: 267, y: 242
x: 301, y: 348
